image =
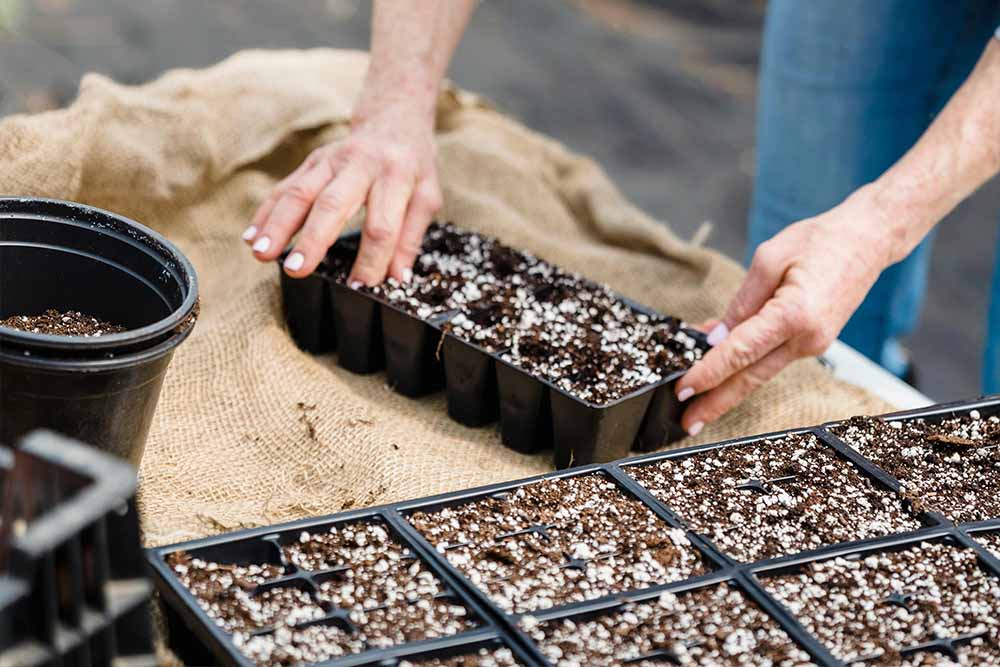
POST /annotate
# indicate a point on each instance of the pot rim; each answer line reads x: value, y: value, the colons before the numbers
x: 35, y: 359
x: 74, y: 213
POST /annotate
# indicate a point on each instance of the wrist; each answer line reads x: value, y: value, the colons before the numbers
x: 898, y: 221
x: 412, y: 92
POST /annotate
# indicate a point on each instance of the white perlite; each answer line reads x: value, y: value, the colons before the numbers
x: 883, y: 603
x: 710, y: 626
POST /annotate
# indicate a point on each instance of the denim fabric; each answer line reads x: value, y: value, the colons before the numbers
x: 846, y: 87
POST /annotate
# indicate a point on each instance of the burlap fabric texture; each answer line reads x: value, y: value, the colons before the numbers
x: 249, y: 429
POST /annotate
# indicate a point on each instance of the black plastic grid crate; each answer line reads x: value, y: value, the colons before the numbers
x: 419, y: 357
x: 517, y: 629
x: 74, y: 588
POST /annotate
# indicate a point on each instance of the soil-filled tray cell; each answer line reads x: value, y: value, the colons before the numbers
x: 775, y: 497
x: 709, y: 626
x: 950, y: 465
x: 501, y: 657
x: 558, y: 541
x: 340, y: 590
x: 226, y: 593
x: 928, y: 601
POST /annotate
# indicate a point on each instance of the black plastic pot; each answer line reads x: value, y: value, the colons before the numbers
x: 68, y: 256
x: 369, y: 334
x: 73, y: 584
x: 200, y: 633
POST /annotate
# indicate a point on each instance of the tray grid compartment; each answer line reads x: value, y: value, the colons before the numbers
x: 749, y: 578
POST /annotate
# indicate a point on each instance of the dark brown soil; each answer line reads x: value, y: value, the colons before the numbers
x: 559, y: 541
x: 775, y: 497
x: 483, y: 658
x: 70, y: 323
x: 950, y: 466
x: 880, y: 605
x: 365, y: 579
x: 710, y: 626
x: 570, y: 331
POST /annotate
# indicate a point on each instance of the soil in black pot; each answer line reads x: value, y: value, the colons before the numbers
x: 879, y: 605
x: 385, y: 596
x: 711, y: 626
x: 559, y: 541
x: 69, y: 323
x: 502, y: 657
x: 775, y: 497
x: 950, y: 466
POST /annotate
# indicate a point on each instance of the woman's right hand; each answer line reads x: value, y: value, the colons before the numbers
x: 387, y: 164
x: 802, y: 287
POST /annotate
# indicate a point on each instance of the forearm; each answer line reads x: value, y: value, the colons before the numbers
x: 411, y: 46
x: 958, y: 153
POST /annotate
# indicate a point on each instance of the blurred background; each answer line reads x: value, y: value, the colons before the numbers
x: 660, y: 92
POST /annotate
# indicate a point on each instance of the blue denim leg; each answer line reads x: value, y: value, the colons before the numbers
x: 846, y: 87
x: 991, y: 360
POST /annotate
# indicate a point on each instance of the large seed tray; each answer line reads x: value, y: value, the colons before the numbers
x: 73, y: 585
x: 492, y: 521
x: 419, y: 357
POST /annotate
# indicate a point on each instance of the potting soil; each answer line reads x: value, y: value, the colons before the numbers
x: 250, y: 429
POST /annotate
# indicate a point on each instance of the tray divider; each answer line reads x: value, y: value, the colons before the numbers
x: 467, y: 591
x: 986, y: 557
x: 707, y: 548
x: 784, y: 618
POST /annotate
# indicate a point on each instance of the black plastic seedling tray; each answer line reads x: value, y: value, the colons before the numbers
x: 419, y: 357
x: 199, y: 635
x: 73, y: 586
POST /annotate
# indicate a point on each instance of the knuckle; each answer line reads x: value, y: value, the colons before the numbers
x: 378, y: 231
x: 816, y: 341
x: 410, y: 246
x: 298, y: 193
x: 765, y: 255
x: 430, y: 199
x: 328, y: 203
x: 740, y: 354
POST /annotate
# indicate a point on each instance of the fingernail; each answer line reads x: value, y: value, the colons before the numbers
x: 295, y: 261
x: 356, y: 284
x: 696, y: 428
x: 262, y: 244
x: 407, y: 275
x: 685, y: 393
x: 250, y: 232
x: 718, y: 334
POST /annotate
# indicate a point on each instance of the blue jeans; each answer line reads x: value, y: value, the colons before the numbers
x: 846, y: 87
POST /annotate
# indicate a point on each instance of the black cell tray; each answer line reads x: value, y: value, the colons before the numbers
x: 74, y: 587
x: 419, y: 358
x: 202, y: 638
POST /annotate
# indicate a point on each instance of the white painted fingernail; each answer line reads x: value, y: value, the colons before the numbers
x: 685, y: 393
x: 718, y: 334
x: 262, y: 244
x: 249, y: 232
x: 295, y: 261
x: 407, y: 275
x: 356, y: 284
x: 696, y: 428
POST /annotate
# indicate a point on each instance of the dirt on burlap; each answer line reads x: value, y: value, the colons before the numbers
x: 249, y: 429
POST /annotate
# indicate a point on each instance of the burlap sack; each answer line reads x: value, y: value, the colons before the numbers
x: 249, y: 429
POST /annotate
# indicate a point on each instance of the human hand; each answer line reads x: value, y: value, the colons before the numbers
x: 387, y: 165
x: 802, y: 287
